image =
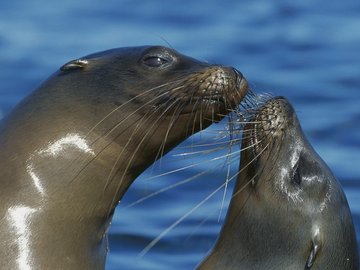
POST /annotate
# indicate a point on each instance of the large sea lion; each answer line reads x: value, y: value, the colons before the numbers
x: 70, y: 150
x: 288, y: 211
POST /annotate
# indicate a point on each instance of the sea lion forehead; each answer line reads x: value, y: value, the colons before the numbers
x: 148, y: 58
x: 117, y: 56
x: 135, y: 54
x: 119, y: 52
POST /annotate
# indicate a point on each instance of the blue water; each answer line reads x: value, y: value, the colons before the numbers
x: 307, y: 51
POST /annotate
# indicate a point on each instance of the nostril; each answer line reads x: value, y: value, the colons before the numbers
x: 238, y: 74
x: 238, y: 77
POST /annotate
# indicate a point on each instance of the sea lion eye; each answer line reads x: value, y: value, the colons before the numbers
x: 297, y: 176
x: 155, y: 61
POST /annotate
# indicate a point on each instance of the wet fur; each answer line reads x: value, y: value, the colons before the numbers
x: 302, y: 224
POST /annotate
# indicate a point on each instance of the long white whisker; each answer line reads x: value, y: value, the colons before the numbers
x: 139, y: 145
x: 167, y: 188
x: 172, y: 226
x: 193, y: 165
x: 130, y: 100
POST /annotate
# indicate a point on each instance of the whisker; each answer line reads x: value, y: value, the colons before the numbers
x: 198, y: 145
x: 224, y: 185
x: 187, y: 180
x: 202, y: 152
x: 139, y: 145
x: 130, y: 115
x: 204, y: 162
x: 175, y: 185
x: 132, y: 99
x: 173, y: 225
x: 174, y: 117
x: 228, y: 168
x: 252, y: 179
x: 192, y: 165
x: 138, y: 125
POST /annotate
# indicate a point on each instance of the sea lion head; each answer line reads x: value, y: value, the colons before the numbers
x: 151, y: 94
x: 133, y: 104
x: 288, y: 210
x: 156, y: 77
x: 305, y: 218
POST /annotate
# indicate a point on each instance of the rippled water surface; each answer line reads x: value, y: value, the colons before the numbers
x: 307, y: 51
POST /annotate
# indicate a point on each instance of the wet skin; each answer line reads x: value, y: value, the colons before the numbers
x: 72, y: 148
x: 288, y: 211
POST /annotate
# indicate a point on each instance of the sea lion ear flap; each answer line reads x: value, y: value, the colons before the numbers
x: 315, y: 247
x: 75, y: 64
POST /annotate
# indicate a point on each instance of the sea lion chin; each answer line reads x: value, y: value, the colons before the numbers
x: 288, y: 211
x: 72, y: 148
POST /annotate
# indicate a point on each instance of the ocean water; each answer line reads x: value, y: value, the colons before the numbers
x: 307, y: 51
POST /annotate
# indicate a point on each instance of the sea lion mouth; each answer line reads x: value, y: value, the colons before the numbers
x: 213, y: 99
x: 215, y: 90
x: 216, y: 99
x: 267, y: 124
x: 262, y: 134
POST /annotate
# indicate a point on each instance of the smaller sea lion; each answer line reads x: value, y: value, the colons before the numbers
x: 288, y: 211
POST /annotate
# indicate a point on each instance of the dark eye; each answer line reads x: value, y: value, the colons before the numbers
x: 155, y: 61
x: 297, y: 176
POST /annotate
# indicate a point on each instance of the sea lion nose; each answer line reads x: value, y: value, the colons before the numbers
x: 239, y: 78
x: 238, y: 74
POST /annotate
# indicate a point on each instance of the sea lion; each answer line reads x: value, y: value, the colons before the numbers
x: 288, y: 211
x: 72, y: 148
